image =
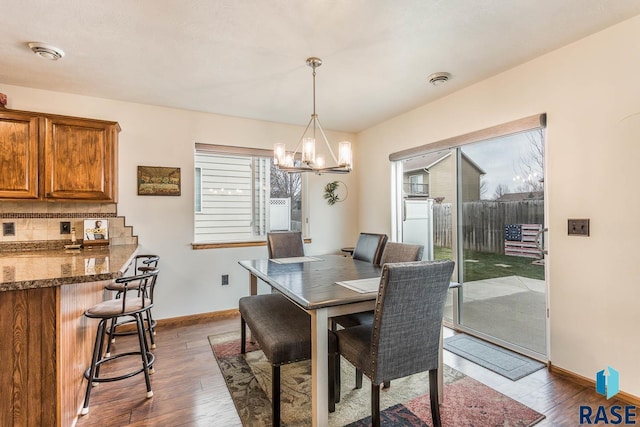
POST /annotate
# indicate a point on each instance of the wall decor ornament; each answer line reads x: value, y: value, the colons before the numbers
x: 335, y: 192
x: 158, y: 181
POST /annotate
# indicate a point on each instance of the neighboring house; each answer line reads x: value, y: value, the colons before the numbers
x: 433, y: 176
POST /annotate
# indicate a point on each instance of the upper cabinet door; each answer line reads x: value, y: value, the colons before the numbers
x: 80, y: 159
x: 18, y: 155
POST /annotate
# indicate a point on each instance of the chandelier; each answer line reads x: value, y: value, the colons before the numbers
x: 305, y: 151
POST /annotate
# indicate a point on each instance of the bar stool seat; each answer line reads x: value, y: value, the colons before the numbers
x: 127, y: 306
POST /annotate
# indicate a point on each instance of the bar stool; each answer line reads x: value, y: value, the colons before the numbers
x: 142, y: 264
x: 130, y: 306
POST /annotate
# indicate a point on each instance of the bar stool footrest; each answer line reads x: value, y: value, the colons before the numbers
x: 117, y: 333
x: 150, y: 358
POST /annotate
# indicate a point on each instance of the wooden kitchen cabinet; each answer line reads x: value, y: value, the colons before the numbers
x: 19, y: 145
x: 79, y: 160
x: 57, y: 157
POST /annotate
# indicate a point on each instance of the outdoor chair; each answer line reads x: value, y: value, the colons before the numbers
x: 404, y: 337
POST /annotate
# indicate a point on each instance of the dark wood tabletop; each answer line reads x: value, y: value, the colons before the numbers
x: 312, y: 284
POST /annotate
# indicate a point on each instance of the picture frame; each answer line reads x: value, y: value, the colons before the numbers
x: 95, y: 232
x: 159, y: 181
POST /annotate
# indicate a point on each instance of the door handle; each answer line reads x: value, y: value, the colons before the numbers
x: 537, y: 240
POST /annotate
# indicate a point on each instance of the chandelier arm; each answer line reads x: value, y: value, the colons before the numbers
x: 326, y: 141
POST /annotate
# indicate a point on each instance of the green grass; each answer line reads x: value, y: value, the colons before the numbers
x: 485, y: 268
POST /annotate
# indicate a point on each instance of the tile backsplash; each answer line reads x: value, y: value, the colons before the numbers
x: 40, y: 222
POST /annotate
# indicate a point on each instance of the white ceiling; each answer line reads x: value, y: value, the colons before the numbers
x: 246, y: 58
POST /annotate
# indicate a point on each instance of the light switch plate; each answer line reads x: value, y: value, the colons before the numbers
x: 578, y: 227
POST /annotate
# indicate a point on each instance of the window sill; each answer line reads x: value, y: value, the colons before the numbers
x: 224, y: 245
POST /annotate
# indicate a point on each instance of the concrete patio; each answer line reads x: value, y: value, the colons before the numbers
x: 511, y: 309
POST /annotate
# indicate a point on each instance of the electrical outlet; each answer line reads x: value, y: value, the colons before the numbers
x: 578, y: 227
x: 225, y: 279
x: 8, y: 228
x: 65, y: 227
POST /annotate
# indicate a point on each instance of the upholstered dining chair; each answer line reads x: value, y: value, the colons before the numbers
x: 393, y: 252
x: 404, y: 337
x: 369, y: 247
x: 285, y: 244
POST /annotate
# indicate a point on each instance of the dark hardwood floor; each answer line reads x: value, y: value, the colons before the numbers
x: 190, y: 391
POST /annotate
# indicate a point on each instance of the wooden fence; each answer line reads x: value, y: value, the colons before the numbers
x: 483, y: 222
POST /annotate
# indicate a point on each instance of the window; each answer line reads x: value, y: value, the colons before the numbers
x: 240, y: 195
x: 416, y: 184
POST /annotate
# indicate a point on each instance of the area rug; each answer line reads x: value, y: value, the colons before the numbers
x: 467, y: 402
x: 497, y: 359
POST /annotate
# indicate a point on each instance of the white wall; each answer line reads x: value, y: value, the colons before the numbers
x: 189, y: 281
x: 591, y: 94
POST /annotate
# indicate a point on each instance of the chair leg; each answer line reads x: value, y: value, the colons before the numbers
x: 243, y: 336
x: 143, y: 352
x: 375, y: 405
x: 332, y: 382
x: 275, y: 395
x: 96, y: 373
x: 358, y: 378
x: 112, y: 335
x: 94, y: 361
x: 337, y: 378
x: 151, y: 331
x: 433, y: 395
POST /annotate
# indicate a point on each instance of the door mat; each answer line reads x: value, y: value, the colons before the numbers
x: 497, y: 359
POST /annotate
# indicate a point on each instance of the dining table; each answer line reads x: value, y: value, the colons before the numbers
x: 321, y: 285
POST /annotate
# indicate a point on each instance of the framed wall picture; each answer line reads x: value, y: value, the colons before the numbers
x: 158, y: 181
x: 95, y: 232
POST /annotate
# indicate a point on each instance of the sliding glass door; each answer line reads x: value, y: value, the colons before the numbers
x: 483, y: 206
x: 500, y: 223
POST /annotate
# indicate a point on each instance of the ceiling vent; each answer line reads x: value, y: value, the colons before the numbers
x: 46, y: 51
x: 438, y: 79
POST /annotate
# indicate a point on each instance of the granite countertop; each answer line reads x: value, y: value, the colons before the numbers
x: 47, y: 268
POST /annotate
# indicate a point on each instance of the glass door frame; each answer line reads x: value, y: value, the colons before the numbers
x: 455, y: 144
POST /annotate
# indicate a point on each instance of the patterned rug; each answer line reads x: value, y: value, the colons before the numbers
x: 406, y: 403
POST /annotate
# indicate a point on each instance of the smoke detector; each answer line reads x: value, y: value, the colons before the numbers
x: 46, y: 51
x: 438, y: 79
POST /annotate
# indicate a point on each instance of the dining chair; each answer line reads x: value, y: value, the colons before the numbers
x: 285, y: 244
x: 393, y: 252
x: 369, y: 247
x: 404, y: 337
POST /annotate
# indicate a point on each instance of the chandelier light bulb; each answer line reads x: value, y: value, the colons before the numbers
x: 345, y: 156
x: 309, y: 150
x: 279, y: 153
